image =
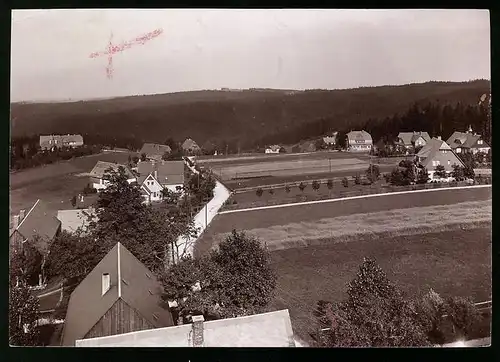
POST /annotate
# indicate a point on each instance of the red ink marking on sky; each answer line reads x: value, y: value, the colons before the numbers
x: 112, y: 49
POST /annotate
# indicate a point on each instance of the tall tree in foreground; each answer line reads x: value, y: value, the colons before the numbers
x: 234, y: 280
x: 23, y: 316
x: 375, y: 314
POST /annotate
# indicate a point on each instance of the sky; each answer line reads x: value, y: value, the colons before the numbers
x: 212, y: 49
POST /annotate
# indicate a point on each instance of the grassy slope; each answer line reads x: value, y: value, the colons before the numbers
x: 281, y: 216
x: 451, y: 262
x: 245, y: 116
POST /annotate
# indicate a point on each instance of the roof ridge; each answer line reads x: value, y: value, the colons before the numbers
x: 26, y: 216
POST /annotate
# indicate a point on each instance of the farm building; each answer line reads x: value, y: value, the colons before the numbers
x: 190, y: 147
x: 120, y: 295
x: 51, y: 142
x: 467, y: 142
x: 274, y: 149
x: 437, y: 152
x: 359, y: 141
x: 272, y: 329
x: 412, y: 139
x: 97, y: 174
x: 154, y: 151
x: 37, y: 226
x: 156, y: 175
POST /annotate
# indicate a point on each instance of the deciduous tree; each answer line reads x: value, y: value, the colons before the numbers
x: 23, y: 316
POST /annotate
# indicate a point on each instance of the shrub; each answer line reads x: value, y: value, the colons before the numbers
x: 259, y: 192
x: 271, y: 191
x: 73, y: 201
x: 287, y: 189
x: 439, y: 171
x: 235, y: 202
x: 302, y: 186
x: 315, y: 185
x: 357, y: 179
x: 329, y: 184
x: 345, y: 182
x: 373, y: 173
x: 422, y: 176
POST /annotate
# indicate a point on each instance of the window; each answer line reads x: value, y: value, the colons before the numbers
x: 50, y: 142
x: 435, y: 163
x: 480, y: 142
x: 449, y: 162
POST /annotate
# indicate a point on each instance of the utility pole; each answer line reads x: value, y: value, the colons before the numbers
x: 330, y: 164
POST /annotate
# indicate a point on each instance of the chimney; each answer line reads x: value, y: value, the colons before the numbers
x: 156, y: 174
x: 439, y: 138
x: 198, y: 330
x: 105, y: 283
x: 22, y: 214
x: 81, y: 198
x: 15, y: 221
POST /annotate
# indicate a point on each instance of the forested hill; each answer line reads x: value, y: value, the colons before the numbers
x: 249, y: 117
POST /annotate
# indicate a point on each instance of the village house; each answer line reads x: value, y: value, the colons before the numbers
x: 51, y: 142
x: 359, y: 141
x: 74, y: 219
x: 437, y: 152
x: 409, y: 140
x: 154, y: 176
x: 273, y: 149
x: 120, y: 295
x: 331, y: 139
x: 37, y: 227
x: 467, y: 142
x: 97, y: 174
x: 272, y: 329
x: 154, y: 151
x: 190, y: 147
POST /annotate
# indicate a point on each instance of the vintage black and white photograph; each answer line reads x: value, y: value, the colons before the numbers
x: 250, y: 178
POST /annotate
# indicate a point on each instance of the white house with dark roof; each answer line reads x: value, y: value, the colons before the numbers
x: 154, y: 176
x: 273, y: 329
x: 359, y: 141
x: 273, y: 149
x: 438, y: 153
x: 97, y: 174
x: 467, y: 142
x: 51, y: 142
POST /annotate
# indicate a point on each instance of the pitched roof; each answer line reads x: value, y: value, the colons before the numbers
x: 130, y: 280
x: 190, y: 144
x: 168, y: 172
x: 410, y: 137
x: 329, y: 139
x: 359, y: 135
x: 272, y: 329
x: 72, y: 219
x: 101, y: 166
x: 275, y: 147
x: 464, y: 140
x: 155, y: 149
x: 38, y: 221
x: 431, y: 148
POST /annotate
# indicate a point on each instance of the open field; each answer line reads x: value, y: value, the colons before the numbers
x: 266, y: 218
x: 453, y: 263
x: 55, y: 184
x: 382, y: 223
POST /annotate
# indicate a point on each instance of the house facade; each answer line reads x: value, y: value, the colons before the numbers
x: 331, y: 139
x: 468, y: 142
x: 273, y: 149
x: 120, y: 295
x: 413, y: 139
x: 190, y: 147
x: 154, y: 151
x: 98, y: 172
x: 51, y: 142
x: 435, y: 153
x: 273, y: 329
x: 359, y: 141
x: 154, y: 176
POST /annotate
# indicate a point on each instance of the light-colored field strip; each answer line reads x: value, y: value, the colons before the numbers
x: 294, y: 204
x: 383, y: 223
